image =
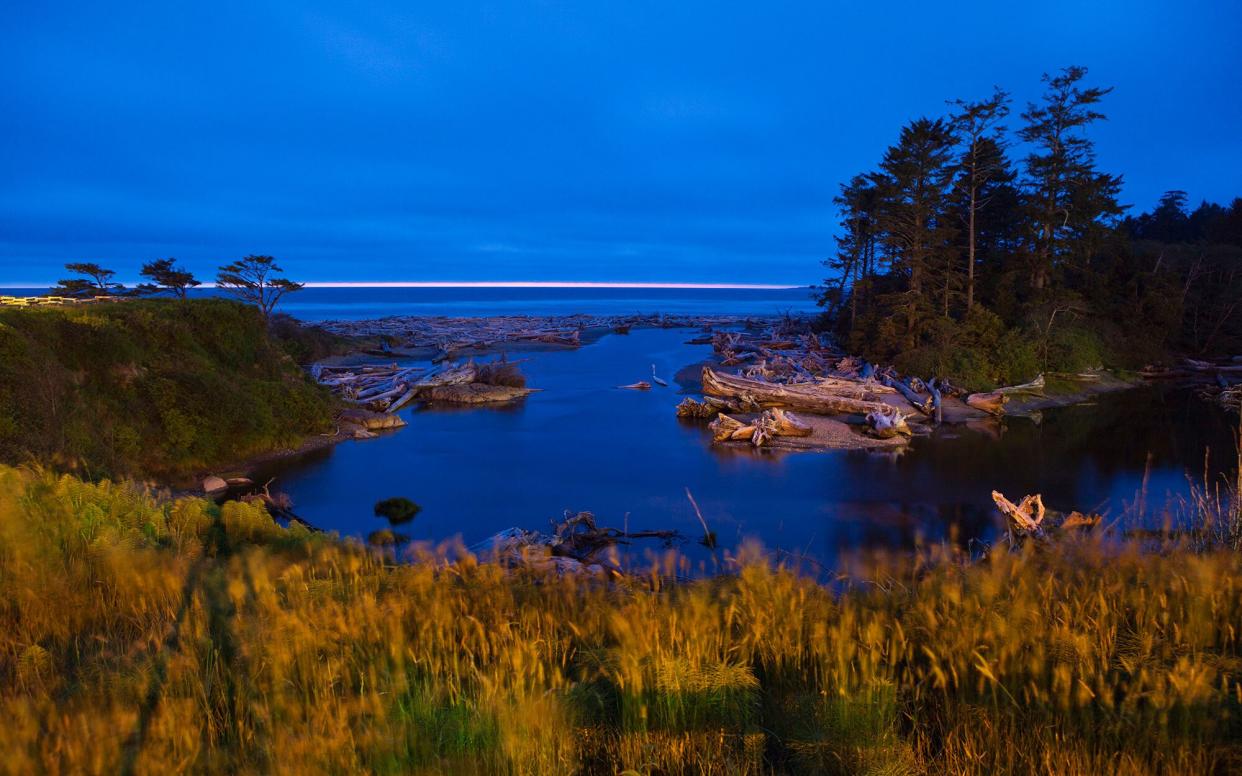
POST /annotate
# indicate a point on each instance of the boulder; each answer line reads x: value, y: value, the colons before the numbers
x: 371, y: 421
x: 213, y: 485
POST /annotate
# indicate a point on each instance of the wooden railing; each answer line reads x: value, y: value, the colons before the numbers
x: 53, y: 301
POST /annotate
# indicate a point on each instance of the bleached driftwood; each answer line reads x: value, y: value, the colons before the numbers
x: 1034, y: 386
x: 803, y: 397
x: 888, y: 423
x: 760, y: 431
x: 992, y: 403
x: 1030, y: 518
x: 919, y: 403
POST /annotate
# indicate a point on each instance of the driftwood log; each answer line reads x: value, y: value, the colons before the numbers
x: 576, y: 545
x: 759, y: 432
x: 992, y: 403
x: 1030, y: 517
x: 1035, y: 386
x: 918, y: 402
x: 805, y: 397
x: 886, y: 425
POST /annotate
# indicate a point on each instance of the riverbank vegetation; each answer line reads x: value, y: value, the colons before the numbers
x: 154, y: 388
x: 188, y: 636
x: 989, y: 254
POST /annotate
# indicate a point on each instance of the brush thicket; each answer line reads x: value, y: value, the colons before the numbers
x: 170, y: 637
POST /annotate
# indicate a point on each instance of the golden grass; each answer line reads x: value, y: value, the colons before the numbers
x: 148, y: 637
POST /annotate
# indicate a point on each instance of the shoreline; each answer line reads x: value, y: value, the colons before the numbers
x: 491, y: 335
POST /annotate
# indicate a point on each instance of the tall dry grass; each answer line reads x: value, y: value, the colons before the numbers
x: 148, y: 637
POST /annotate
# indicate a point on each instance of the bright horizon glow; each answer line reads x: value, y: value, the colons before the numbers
x: 523, y: 284
x: 547, y: 284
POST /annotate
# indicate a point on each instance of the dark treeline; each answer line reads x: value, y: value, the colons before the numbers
x: 990, y: 253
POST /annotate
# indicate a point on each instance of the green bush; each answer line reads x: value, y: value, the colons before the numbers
x: 1074, y: 349
x: 397, y: 510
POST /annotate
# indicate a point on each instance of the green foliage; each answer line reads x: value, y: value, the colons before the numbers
x: 256, y: 280
x: 386, y: 537
x: 397, y: 510
x: 167, y: 276
x: 1074, y: 349
x: 149, y: 388
x: 946, y: 223
x: 307, y: 344
x: 95, y: 281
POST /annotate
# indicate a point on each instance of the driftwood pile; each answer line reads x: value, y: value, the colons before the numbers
x: 1193, y: 369
x: 449, y: 335
x: 786, y: 366
x: 576, y: 544
x: 388, y: 388
x: 1218, y: 381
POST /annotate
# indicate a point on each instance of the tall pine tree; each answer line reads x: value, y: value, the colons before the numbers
x: 981, y: 166
x: 913, y: 184
x: 1071, y: 202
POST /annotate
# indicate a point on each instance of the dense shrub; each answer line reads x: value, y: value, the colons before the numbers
x: 148, y: 388
x: 294, y: 652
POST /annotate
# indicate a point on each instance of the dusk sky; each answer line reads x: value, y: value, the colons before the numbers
x: 624, y: 141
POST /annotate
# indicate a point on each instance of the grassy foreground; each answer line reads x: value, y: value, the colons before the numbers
x: 146, y: 637
x: 153, y: 388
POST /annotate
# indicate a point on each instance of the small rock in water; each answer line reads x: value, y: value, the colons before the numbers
x: 213, y: 485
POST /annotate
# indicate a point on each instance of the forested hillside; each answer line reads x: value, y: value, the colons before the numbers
x: 990, y: 249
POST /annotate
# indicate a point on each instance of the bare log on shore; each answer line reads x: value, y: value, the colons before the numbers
x: 759, y: 432
x: 992, y: 403
x: 907, y: 391
x: 886, y: 425
x: 1035, y: 386
x: 805, y: 397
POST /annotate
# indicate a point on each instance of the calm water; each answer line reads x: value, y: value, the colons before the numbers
x: 582, y: 444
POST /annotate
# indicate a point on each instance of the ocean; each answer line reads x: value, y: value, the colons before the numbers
x: 355, y: 303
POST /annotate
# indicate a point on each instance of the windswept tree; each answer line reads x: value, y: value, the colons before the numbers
x: 94, y: 281
x: 167, y: 276
x: 981, y: 166
x: 256, y: 280
x: 1071, y: 202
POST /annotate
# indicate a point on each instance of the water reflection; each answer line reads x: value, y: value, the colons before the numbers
x: 582, y: 444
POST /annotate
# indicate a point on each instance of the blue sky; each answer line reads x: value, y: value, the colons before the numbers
x: 635, y: 141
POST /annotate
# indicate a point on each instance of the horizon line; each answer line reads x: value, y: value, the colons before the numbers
x: 542, y: 284
x: 518, y: 284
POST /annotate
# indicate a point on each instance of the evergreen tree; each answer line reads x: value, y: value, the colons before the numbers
x: 1072, y: 203
x: 167, y: 276
x: 913, y: 187
x: 254, y: 279
x: 96, y: 281
x: 982, y: 165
